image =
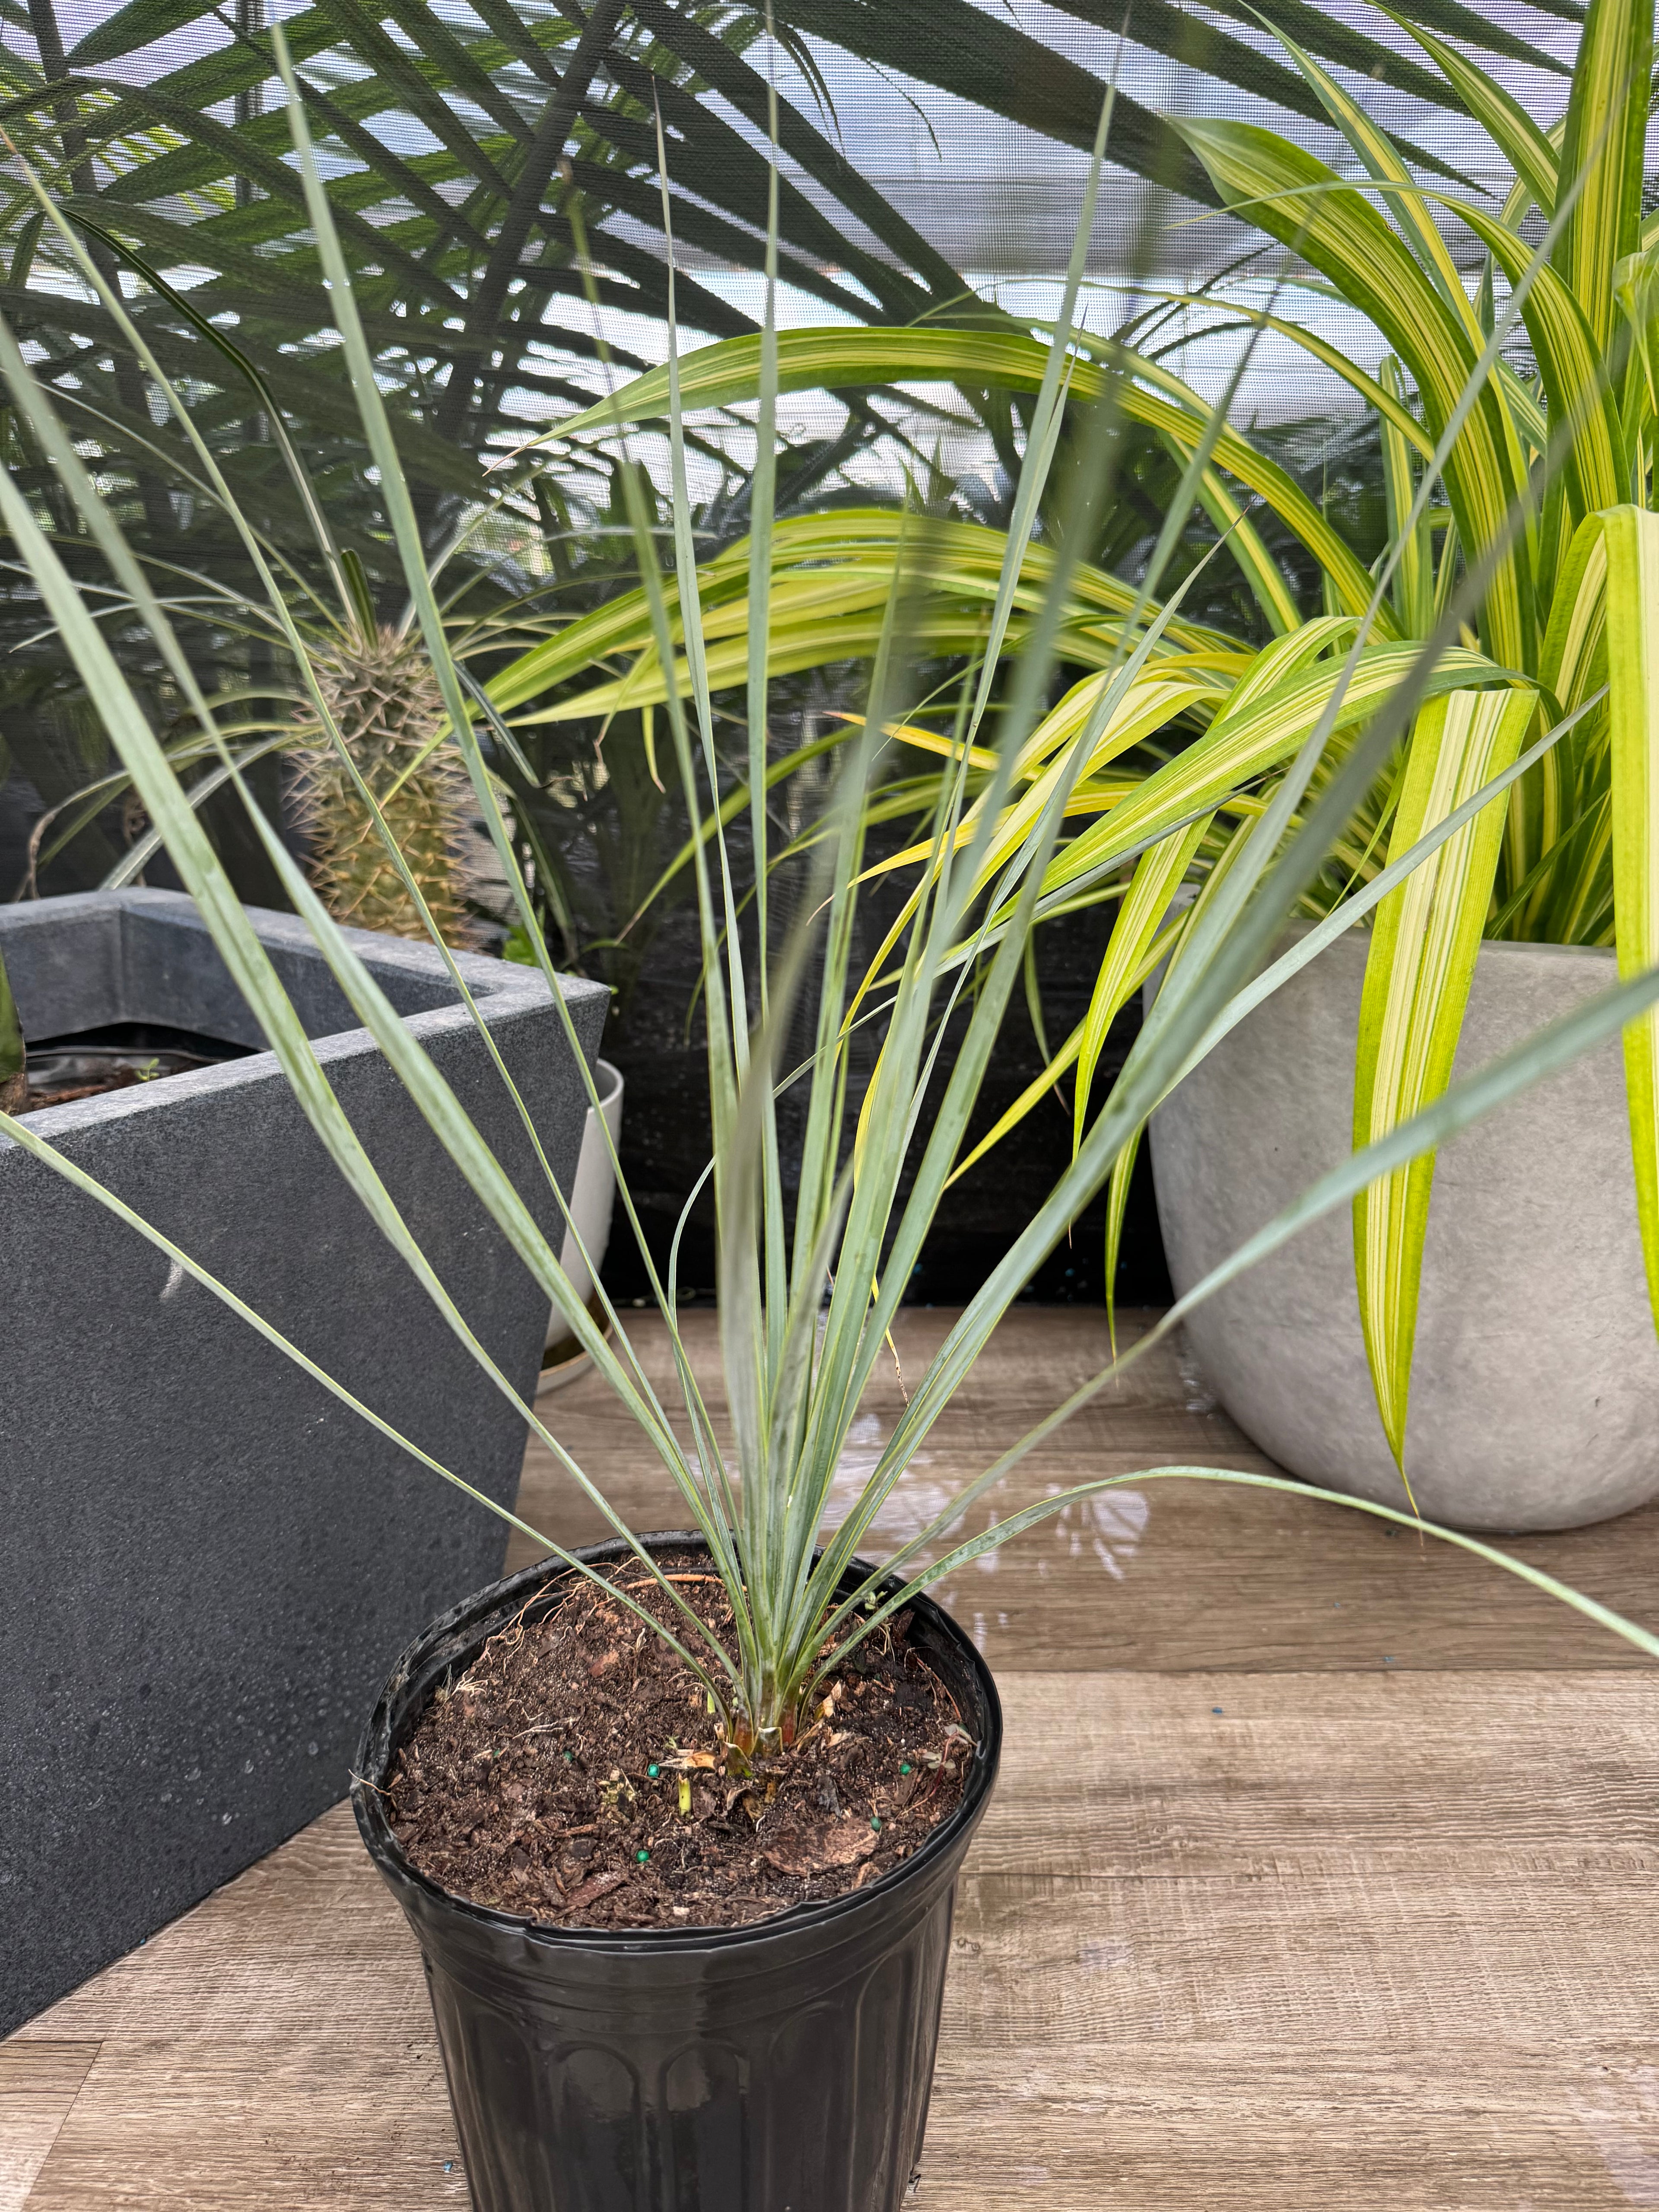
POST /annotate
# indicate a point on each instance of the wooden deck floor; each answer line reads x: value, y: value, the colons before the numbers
x: 1322, y: 1875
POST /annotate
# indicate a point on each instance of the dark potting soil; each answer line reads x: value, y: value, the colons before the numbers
x: 119, y: 1078
x: 94, y: 1062
x: 570, y: 1774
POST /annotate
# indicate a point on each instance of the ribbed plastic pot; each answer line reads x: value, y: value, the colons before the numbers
x: 782, y: 2067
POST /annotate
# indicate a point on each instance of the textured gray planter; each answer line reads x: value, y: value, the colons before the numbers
x: 1535, y: 1400
x: 206, y: 1564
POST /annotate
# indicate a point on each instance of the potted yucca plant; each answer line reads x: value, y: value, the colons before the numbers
x: 676, y: 1820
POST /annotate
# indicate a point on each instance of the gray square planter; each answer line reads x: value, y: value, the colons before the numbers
x: 208, y: 1564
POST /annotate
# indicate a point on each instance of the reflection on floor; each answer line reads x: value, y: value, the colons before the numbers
x: 1321, y: 1873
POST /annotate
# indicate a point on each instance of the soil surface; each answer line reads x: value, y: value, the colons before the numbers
x: 119, y: 1078
x: 571, y: 1774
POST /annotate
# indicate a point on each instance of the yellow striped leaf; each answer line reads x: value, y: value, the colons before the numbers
x: 1144, y: 708
x: 1573, y: 661
x: 1574, y: 368
x: 1413, y: 582
x: 844, y: 560
x: 1501, y: 116
x: 1302, y: 202
x: 1632, y: 590
x: 1607, y: 124
x: 1424, y: 944
x: 1235, y: 749
x: 844, y: 358
x: 1159, y: 875
x: 1375, y: 150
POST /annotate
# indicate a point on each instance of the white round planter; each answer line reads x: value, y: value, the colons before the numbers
x: 591, y: 1200
x: 1534, y: 1398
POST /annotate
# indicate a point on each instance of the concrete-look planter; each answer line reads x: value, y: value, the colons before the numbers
x: 207, y: 1563
x: 1534, y: 1399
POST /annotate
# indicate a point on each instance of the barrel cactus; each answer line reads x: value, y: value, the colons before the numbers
x: 384, y: 698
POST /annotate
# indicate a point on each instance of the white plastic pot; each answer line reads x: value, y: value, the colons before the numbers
x: 591, y: 1200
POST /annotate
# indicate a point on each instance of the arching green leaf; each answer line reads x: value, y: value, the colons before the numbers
x: 1424, y: 944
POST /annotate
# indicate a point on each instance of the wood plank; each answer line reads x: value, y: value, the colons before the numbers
x: 311, y: 1933
x: 304, y: 2120
x: 1335, y: 1960
x: 1161, y: 1577
x: 1551, y: 2127
x: 1461, y: 1780
x: 39, y: 2081
x: 1402, y: 2126
x: 1504, y: 1776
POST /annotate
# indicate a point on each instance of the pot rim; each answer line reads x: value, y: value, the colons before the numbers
x: 377, y: 1743
x: 608, y: 1081
x: 1507, y: 948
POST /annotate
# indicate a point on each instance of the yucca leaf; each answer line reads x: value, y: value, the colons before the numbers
x: 1476, y: 1096
x: 170, y: 809
x: 1316, y: 733
x: 1221, y: 948
x: 877, y: 1603
x: 76, y: 1176
x: 1353, y: 908
x: 1418, y: 973
x: 1457, y: 1109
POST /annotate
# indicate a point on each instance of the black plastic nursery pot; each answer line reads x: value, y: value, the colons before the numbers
x: 780, y: 2067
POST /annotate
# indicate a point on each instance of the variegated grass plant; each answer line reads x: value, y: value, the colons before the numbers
x: 1523, y: 495
x: 807, y: 1296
